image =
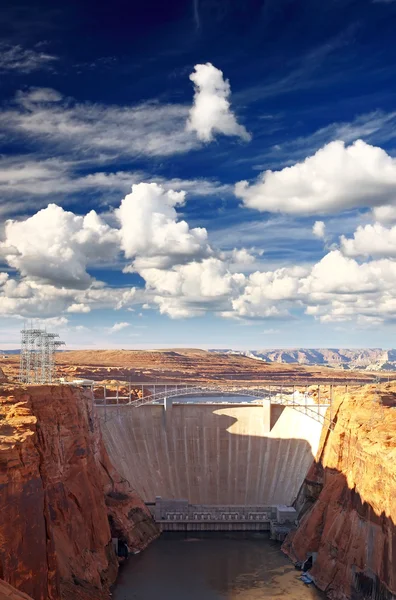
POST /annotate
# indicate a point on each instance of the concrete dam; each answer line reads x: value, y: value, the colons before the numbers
x: 212, y: 454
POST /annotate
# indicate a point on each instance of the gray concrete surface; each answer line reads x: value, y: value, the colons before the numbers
x: 212, y: 454
x: 179, y: 515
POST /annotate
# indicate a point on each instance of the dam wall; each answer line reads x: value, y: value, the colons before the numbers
x: 212, y: 453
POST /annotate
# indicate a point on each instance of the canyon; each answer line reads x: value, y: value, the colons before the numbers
x: 74, y: 475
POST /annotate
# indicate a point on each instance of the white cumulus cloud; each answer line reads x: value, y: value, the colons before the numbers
x: 193, y: 288
x: 211, y: 111
x: 319, y: 229
x: 78, y: 308
x: 269, y: 294
x: 56, y: 246
x: 337, y: 274
x: 30, y: 298
x: 118, y: 327
x: 341, y: 289
x: 51, y: 254
x: 151, y: 232
x: 371, y: 240
x: 334, y: 179
x: 385, y: 214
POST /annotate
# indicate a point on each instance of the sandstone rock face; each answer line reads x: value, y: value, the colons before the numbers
x: 7, y: 592
x: 58, y: 493
x: 348, y: 501
x: 3, y: 377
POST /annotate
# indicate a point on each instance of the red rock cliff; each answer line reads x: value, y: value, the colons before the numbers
x: 58, y: 494
x: 349, y: 500
x: 7, y: 592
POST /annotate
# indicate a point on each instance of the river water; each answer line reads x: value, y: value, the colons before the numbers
x: 226, y: 399
x: 212, y: 567
x: 231, y: 399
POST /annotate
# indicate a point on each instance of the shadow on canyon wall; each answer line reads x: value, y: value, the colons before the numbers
x: 354, y: 542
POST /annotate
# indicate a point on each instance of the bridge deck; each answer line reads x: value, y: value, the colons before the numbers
x: 286, y: 395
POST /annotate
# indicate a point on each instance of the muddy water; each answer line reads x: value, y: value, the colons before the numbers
x: 212, y: 567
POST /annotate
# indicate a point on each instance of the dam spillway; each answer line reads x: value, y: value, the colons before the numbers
x: 212, y: 454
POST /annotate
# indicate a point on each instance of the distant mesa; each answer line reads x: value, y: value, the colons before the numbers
x: 370, y: 359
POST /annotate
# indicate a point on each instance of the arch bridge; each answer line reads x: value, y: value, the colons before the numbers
x: 168, y: 393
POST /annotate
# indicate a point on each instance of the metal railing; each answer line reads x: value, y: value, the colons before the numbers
x: 281, y: 394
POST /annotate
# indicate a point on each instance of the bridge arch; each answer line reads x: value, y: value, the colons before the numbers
x: 301, y: 402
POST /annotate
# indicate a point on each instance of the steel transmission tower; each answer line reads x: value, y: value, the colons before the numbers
x: 37, y: 361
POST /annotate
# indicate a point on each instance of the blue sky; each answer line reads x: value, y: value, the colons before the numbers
x: 273, y: 122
